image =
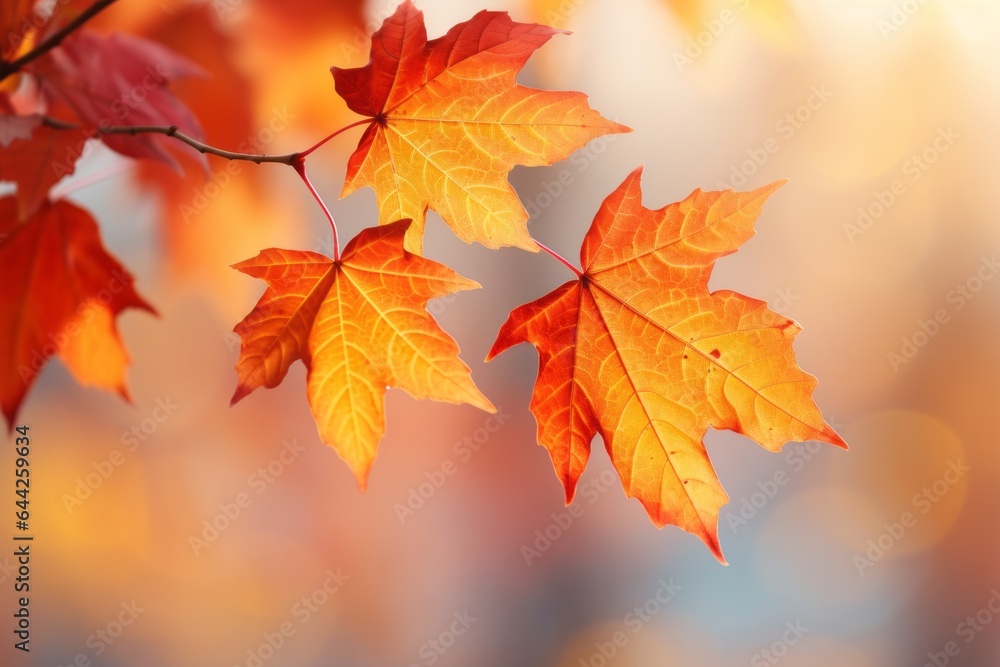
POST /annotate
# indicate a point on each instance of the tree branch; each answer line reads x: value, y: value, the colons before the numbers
x: 55, y: 39
x: 295, y: 160
x: 172, y: 131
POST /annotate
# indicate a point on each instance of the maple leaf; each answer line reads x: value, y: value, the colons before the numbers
x: 358, y: 324
x: 449, y: 122
x: 36, y: 159
x: 69, y: 292
x: 638, y: 350
x: 115, y: 80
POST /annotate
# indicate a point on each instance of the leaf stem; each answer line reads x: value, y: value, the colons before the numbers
x: 55, y: 39
x: 309, y: 150
x: 565, y: 262
x: 300, y: 168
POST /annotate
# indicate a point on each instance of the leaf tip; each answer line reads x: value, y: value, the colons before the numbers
x: 361, y: 476
x: 618, y: 128
x: 496, y: 350
x: 241, y: 392
x: 766, y: 191
x: 711, y: 540
x: 240, y: 266
x: 10, y: 412
x: 463, y: 284
x: 124, y: 393
x: 569, y: 489
x: 478, y: 400
x: 834, y: 439
x: 501, y: 344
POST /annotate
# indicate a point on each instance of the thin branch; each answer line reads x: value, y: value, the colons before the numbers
x: 55, y: 39
x: 295, y: 160
x: 309, y: 150
x: 300, y: 167
x: 565, y: 262
x: 172, y: 131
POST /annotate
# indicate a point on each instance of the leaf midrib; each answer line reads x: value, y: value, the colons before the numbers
x: 710, y: 359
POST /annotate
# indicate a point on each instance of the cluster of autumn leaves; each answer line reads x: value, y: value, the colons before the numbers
x: 61, y: 290
x: 635, y: 348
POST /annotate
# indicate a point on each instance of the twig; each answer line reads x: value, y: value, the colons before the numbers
x: 295, y: 160
x: 172, y: 131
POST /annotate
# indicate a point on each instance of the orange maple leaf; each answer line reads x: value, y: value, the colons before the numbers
x: 449, y: 122
x: 69, y: 291
x: 638, y: 350
x: 358, y: 324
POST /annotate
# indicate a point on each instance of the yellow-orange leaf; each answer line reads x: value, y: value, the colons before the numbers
x: 638, y: 350
x: 449, y: 122
x: 359, y: 325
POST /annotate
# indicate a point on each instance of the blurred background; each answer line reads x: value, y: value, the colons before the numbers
x: 883, y: 246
